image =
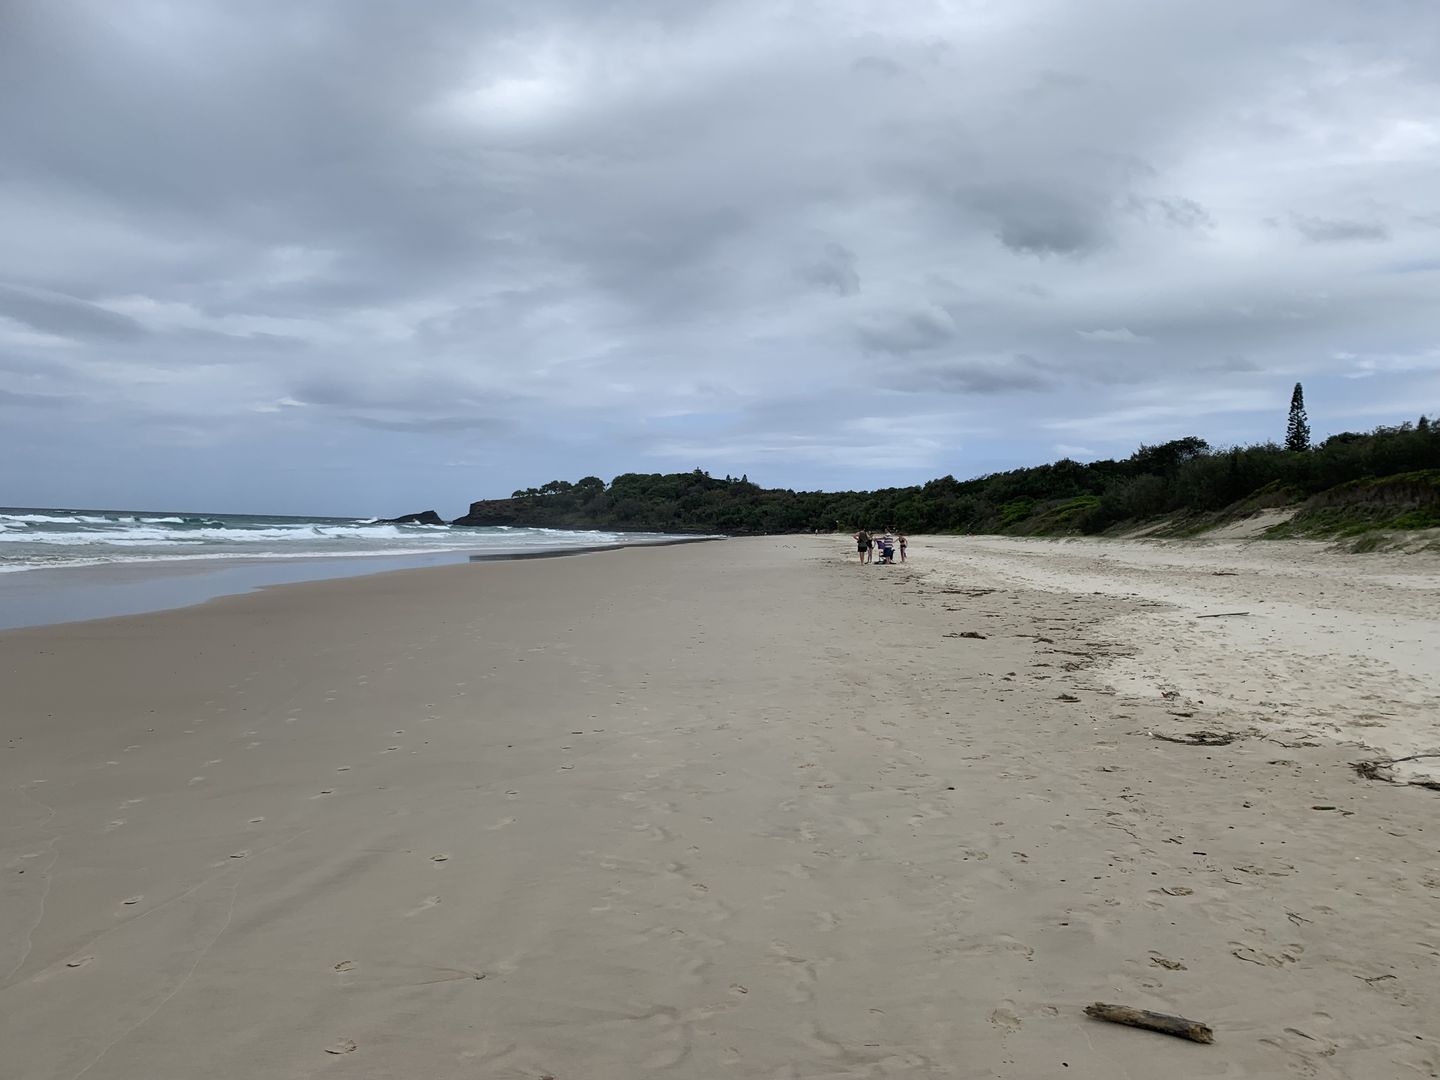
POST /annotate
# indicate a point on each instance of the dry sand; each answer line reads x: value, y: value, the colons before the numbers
x: 742, y: 810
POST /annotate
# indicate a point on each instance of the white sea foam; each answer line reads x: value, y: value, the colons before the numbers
x: 44, y: 539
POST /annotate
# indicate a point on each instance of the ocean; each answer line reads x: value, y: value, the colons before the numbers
x: 49, y: 539
x: 70, y: 565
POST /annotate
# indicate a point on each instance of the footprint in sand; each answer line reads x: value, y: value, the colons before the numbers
x: 502, y: 823
x: 802, y: 971
x: 79, y: 961
x: 1004, y: 1017
x: 424, y: 905
x: 321, y: 795
x: 113, y: 825
x: 196, y: 780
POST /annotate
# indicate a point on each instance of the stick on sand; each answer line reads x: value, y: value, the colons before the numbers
x: 1152, y: 1021
x: 1222, y: 614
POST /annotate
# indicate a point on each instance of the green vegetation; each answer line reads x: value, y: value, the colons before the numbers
x: 1350, y: 484
x: 1297, y: 431
x: 1409, y: 500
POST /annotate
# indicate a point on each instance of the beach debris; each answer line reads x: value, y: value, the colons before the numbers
x: 967, y: 634
x: 439, y: 858
x: 1152, y: 1021
x: 1166, y: 963
x: 1225, y: 573
x: 1067, y: 697
x: 1198, y: 738
x: 1263, y: 959
x: 79, y: 961
x: 341, y: 1046
x: 345, y: 965
x: 1222, y: 614
x: 1373, y: 979
x: 1383, y: 769
x: 1177, y: 890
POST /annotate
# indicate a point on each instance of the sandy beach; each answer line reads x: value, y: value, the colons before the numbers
x: 742, y: 809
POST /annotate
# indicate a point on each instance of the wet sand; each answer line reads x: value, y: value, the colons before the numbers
x: 717, y: 810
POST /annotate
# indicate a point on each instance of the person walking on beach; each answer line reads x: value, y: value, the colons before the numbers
x: 901, y: 541
x: 862, y: 545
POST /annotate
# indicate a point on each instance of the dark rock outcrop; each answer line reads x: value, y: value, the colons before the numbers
x: 492, y: 512
x: 425, y: 517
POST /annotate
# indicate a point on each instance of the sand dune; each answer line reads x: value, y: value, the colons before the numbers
x: 730, y: 810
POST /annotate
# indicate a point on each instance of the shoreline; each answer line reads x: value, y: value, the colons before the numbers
x: 56, y: 596
x: 761, y: 814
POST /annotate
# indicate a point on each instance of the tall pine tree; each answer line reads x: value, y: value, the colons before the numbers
x: 1297, y: 432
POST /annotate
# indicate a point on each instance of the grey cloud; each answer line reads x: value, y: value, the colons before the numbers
x: 834, y: 271
x: 907, y: 332
x: 570, y: 218
x: 988, y: 375
x: 1039, y: 221
x: 1234, y: 365
x: 65, y: 316
x: 1122, y: 335
x: 438, y: 424
x: 1176, y: 211
x: 878, y: 65
x: 14, y: 399
x: 419, y: 392
x: 1338, y: 231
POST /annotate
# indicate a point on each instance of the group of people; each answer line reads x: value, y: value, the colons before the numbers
x: 880, y: 549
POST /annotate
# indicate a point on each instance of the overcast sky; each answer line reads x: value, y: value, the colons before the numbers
x: 355, y: 256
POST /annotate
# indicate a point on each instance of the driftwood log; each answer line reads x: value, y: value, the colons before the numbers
x: 1152, y: 1021
x: 1199, y: 738
x: 1222, y: 614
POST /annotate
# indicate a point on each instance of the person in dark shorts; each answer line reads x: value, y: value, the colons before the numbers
x: 862, y: 545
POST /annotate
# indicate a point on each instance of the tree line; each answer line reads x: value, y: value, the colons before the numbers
x: 1394, y: 468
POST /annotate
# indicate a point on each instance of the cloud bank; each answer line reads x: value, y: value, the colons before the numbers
x: 346, y: 256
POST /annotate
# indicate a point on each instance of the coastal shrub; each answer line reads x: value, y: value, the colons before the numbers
x: 1185, y: 481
